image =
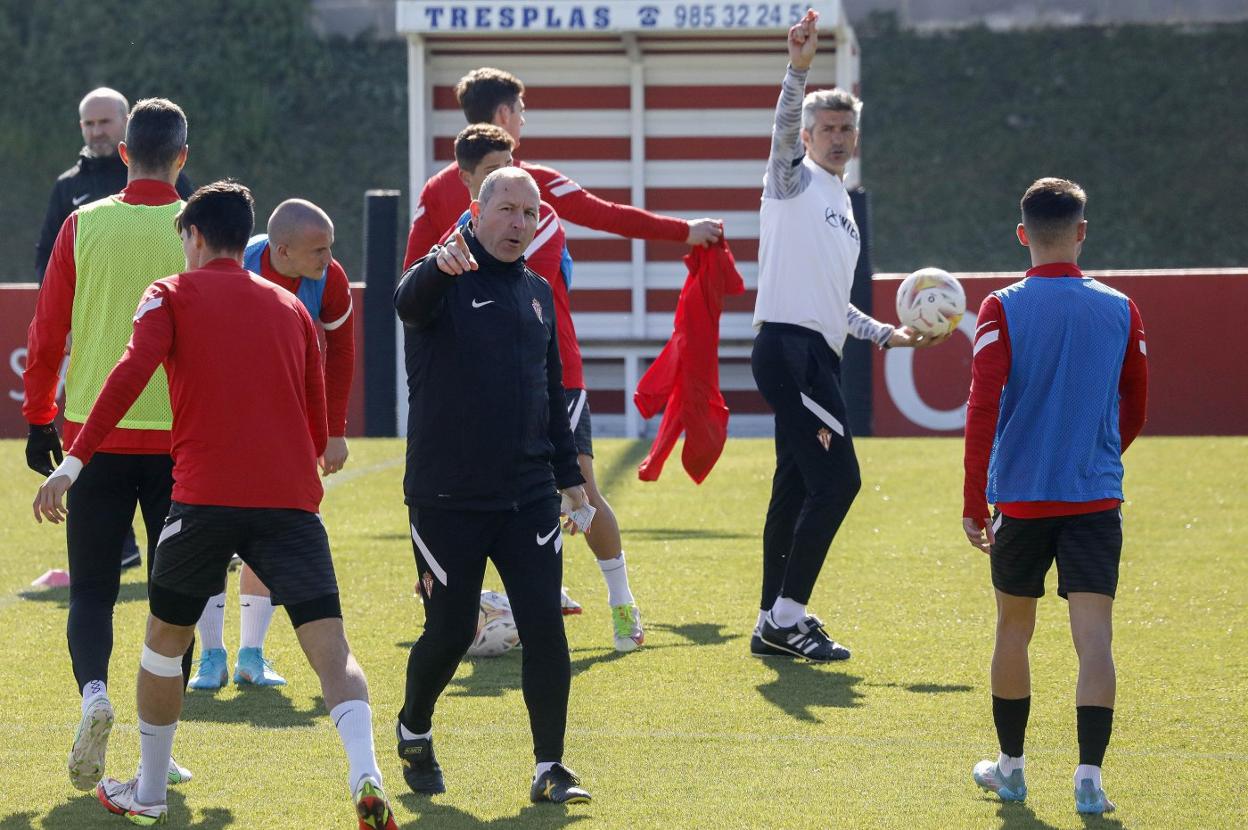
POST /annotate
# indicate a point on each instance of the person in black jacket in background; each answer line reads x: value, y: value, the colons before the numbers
x: 99, y: 170
x: 489, y: 449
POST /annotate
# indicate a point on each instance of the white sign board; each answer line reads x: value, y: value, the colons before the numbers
x: 433, y: 17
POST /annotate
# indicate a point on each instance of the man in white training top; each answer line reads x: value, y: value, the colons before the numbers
x: 808, y: 249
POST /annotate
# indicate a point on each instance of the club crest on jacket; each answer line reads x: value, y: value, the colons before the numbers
x: 537, y: 309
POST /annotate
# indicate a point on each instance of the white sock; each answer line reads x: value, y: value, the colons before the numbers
x: 615, y: 572
x: 787, y: 612
x: 409, y: 735
x: 93, y: 691
x: 354, y: 720
x: 543, y: 767
x: 1088, y: 771
x: 762, y: 615
x: 255, y: 614
x: 1008, y: 763
x: 155, y: 746
x: 211, y: 623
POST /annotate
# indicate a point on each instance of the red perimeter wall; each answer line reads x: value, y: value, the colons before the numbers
x: 1198, y: 379
x: 17, y: 306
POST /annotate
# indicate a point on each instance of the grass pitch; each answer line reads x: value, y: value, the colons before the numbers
x: 691, y: 731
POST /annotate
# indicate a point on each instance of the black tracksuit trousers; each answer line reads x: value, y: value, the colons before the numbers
x: 817, y: 474
x: 525, y: 545
x: 101, y: 508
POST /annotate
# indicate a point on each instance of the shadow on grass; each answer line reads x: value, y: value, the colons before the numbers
x: 625, y: 464
x: 925, y: 688
x: 663, y: 534
x: 799, y: 687
x: 257, y: 705
x: 492, y: 676
x: 130, y: 592
x: 445, y: 817
x: 1016, y: 815
x: 85, y: 812
x: 1102, y: 823
x: 388, y: 536
x: 698, y: 634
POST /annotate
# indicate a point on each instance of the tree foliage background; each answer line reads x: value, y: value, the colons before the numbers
x: 1152, y: 120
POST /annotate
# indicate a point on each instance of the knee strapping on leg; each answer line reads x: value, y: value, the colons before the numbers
x: 159, y: 664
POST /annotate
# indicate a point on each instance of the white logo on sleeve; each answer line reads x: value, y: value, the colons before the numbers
x: 149, y: 305
x: 77, y: 200
x: 541, y: 540
x: 480, y: 304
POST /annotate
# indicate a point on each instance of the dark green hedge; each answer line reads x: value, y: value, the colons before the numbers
x: 268, y: 102
x: 1151, y: 120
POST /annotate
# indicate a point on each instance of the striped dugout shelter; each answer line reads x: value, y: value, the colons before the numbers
x: 662, y: 104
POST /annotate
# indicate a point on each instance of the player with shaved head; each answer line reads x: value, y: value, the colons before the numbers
x: 296, y: 254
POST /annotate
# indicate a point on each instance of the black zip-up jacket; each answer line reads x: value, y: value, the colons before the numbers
x: 487, y: 427
x: 89, y: 179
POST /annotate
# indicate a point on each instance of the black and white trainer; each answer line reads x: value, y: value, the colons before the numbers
x: 421, y: 769
x: 805, y: 639
x: 558, y: 785
x: 759, y: 648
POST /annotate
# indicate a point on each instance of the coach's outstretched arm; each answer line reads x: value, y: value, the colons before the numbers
x: 418, y: 299
x: 786, y: 178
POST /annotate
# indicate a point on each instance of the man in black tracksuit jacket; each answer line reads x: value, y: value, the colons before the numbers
x: 99, y: 171
x: 489, y: 447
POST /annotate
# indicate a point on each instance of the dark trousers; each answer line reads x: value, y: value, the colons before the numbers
x: 101, y: 507
x: 817, y: 475
x: 525, y: 545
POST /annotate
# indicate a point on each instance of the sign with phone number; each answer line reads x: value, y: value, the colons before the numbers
x: 573, y: 16
x: 734, y: 15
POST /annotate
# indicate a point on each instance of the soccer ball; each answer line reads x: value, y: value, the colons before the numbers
x: 496, y: 627
x: 931, y: 302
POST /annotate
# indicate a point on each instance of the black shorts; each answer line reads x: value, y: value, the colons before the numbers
x: 1087, y: 548
x: 288, y: 550
x: 578, y: 415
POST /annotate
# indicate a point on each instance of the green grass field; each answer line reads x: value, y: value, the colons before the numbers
x: 691, y: 731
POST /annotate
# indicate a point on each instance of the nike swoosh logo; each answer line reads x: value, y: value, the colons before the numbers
x: 541, y: 540
x: 476, y: 304
x: 80, y: 199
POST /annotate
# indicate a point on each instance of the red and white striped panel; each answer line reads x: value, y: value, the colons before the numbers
x: 707, y: 122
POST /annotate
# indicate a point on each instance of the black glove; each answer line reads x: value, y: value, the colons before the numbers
x: 42, y: 445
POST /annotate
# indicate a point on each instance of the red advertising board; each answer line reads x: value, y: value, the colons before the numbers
x: 17, y: 306
x: 1198, y: 382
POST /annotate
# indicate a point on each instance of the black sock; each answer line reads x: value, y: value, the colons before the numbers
x: 1094, y: 724
x: 1010, y: 716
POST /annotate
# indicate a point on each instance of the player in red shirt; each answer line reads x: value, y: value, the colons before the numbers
x: 493, y: 96
x: 244, y: 367
x: 297, y: 255
x: 481, y: 149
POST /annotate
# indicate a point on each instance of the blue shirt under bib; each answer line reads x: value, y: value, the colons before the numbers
x: 309, y: 292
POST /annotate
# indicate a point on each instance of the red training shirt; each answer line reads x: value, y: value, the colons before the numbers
x: 544, y: 256
x: 49, y: 330
x: 990, y: 369
x: 338, y: 321
x: 444, y: 198
x: 245, y: 383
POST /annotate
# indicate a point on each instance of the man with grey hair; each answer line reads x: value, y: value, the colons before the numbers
x: 98, y: 172
x: 296, y: 254
x: 808, y: 251
x: 489, y: 450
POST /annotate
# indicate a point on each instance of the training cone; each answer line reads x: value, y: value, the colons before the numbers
x: 55, y: 578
